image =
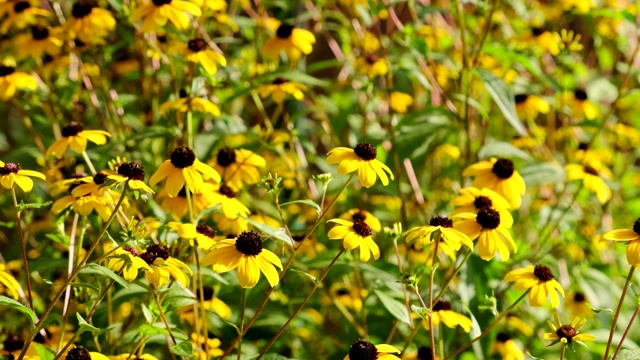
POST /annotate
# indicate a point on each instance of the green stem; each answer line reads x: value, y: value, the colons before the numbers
x: 626, y: 332
x: 434, y: 266
x: 243, y: 304
x: 615, y: 316
x: 23, y: 247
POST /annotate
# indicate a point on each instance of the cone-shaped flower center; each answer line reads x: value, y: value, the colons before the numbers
x: 206, y: 230
x: 13, y: 343
x: 537, y: 31
x: 6, y: 70
x: 207, y: 293
x: 442, y: 305
x: 583, y: 146
x: 297, y: 237
x: 78, y: 354
x: 153, y: 252
x: 226, y: 156
x: 284, y: 31
x: 131, y: 170
x: 441, y: 221
x: 227, y: 191
x: 488, y: 218
x: 131, y: 251
x: 520, y: 98
x: 482, y: 202
x: 503, y: 168
x: 72, y: 129
x: 161, y: 2
x: 502, y: 337
x: 580, y: 94
x: 249, y: 243
x: 182, y: 157
x: 579, y: 297
x: 362, y: 229
x: 543, y: 273
x: 567, y: 332
x: 425, y: 353
x: 366, y: 151
x: 590, y: 170
x: 636, y: 225
x: 279, y: 81
x: 197, y: 45
x: 371, y: 59
x: 359, y: 216
x: 21, y: 6
x: 9, y: 168
x: 81, y: 9
x: 363, y: 350
x: 183, y: 93
x: 39, y: 32
x: 99, y: 178
x: 342, y: 291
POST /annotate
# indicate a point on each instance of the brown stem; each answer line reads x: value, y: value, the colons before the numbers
x: 615, y: 316
x: 23, y: 247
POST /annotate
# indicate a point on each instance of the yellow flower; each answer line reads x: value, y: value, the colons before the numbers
x: 89, y: 23
x: 238, y: 166
x: 493, y: 236
x: 581, y: 6
x: 183, y: 167
x: 279, y: 89
x: 424, y: 352
x: 566, y: 334
x: 133, y: 174
x: 184, y: 103
x: 355, y: 234
x: 293, y: 41
x: 366, y: 350
x: 545, y: 40
x: 12, y: 80
x: 126, y: 259
x: 372, y: 66
x: 568, y: 40
x: 507, y: 348
x: 203, y: 234
x: 42, y: 40
x: 349, y: 296
x: 84, y: 205
x: 592, y: 179
x: 529, y: 106
x: 400, y: 102
x: 19, y: 14
x: 472, y: 200
x: 8, y: 283
x: 632, y: 238
x: 442, y: 313
x: 178, y: 206
x: 230, y: 227
x: 162, y: 266
x: 127, y: 356
x: 231, y: 207
x: 500, y: 176
x: 212, y: 347
x: 362, y: 215
x: 579, y: 104
x: 197, y: 51
x: 75, y: 137
x: 80, y: 353
x: 156, y: 13
x: 576, y: 302
x: 92, y: 185
x: 442, y: 227
x: 247, y: 254
x: 11, y: 173
x: 515, y: 322
x: 363, y: 160
x: 540, y: 280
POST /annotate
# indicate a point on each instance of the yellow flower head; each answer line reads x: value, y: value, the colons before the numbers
x: 128, y: 260
x: 576, y: 302
x: 20, y: 14
x: 439, y: 227
x: 11, y: 173
x: 364, y: 350
x: 162, y: 267
x: 205, y: 348
x: 92, y: 185
x: 231, y: 207
x: 442, y: 313
x: 75, y: 137
x: 349, y: 296
x: 592, y: 179
x: 178, y: 206
x: 500, y: 176
x: 400, y: 102
x: 8, y: 283
x: 238, y: 166
x: 133, y: 174
x: 42, y: 40
x: 184, y: 103
x: 203, y: 234
x: 127, y: 356
x: 362, y: 215
x: 529, y: 106
x: 355, y: 234
x: 363, y: 160
x: 156, y: 13
x: 279, y: 89
x: 197, y: 51
x: 183, y: 167
x: 566, y: 334
x: 89, y: 23
x: 492, y: 234
x: 80, y: 353
x: 293, y: 41
x: 507, y: 348
x: 579, y: 104
x: 568, y: 40
x: 472, y: 200
x: 540, y: 280
x: 247, y: 254
x: 632, y: 238
x: 372, y: 66
x: 12, y: 80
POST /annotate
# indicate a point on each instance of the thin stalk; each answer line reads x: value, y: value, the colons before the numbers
x: 564, y: 347
x: 89, y: 163
x: 450, y: 278
x: 407, y: 301
x: 154, y: 293
x: 434, y: 266
x: 72, y: 243
x: 243, y: 304
x: 23, y: 247
x: 626, y: 332
x: 615, y: 316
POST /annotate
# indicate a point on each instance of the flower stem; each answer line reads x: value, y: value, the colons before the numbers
x: 23, y: 247
x: 304, y: 302
x: 72, y: 244
x: 626, y: 332
x: 564, y: 347
x: 89, y: 163
x: 450, y: 278
x: 615, y: 316
x: 243, y: 304
x: 490, y: 327
x: 434, y: 267
x: 154, y: 293
x: 407, y: 301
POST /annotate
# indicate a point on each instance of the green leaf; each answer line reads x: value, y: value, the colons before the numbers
x: 504, y: 150
x: 10, y: 303
x: 44, y: 352
x: 627, y: 355
x: 542, y: 173
x: 101, y: 270
x: 22, y: 206
x: 152, y: 330
x: 184, y: 349
x: 270, y: 357
x: 278, y: 234
x: 420, y: 311
x: 306, y: 202
x: 504, y: 98
x: 84, y: 325
x: 533, y: 357
x: 395, y: 307
x: 598, y: 310
x: 8, y: 224
x: 313, y: 278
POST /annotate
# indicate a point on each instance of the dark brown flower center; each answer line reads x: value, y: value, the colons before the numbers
x: 279, y: 81
x: 442, y: 305
x: 520, y: 98
x: 583, y: 146
x: 78, y: 354
x: 590, y: 170
x: 359, y: 216
x: 227, y: 191
x: 161, y: 2
x: 13, y: 343
x: 99, y: 178
x: 39, y: 32
x: 567, y: 332
x: 441, y: 221
x: 79, y: 43
x: 284, y: 31
x: 636, y: 225
x: 131, y: 250
x: 363, y: 350
x: 580, y: 94
x: 21, y: 6
x: 503, y: 337
x: 6, y: 70
x: 207, y: 293
x: 342, y: 291
x: 537, y: 31
x: 131, y: 170
x: 361, y: 228
x: 226, y: 156
x: 72, y: 129
x: 182, y: 157
x: 9, y: 168
x: 249, y: 243
x: 543, y: 273
x: 183, y: 93
x: 579, y: 297
x: 425, y: 353
x: 153, y: 252
x: 366, y: 151
x: 503, y: 168
x: 82, y: 9
x: 488, y: 218
x: 162, y: 38
x: 206, y: 230
x: 297, y: 237
x: 371, y: 59
x: 482, y: 202
x: 197, y: 45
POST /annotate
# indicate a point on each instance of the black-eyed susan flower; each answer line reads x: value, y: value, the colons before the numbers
x: 11, y: 173
x: 91, y: 185
x: 279, y: 89
x: 592, y: 179
x: 567, y: 334
x: 576, y: 303
x: 372, y: 66
x: 355, y: 234
x: 197, y: 51
x: 544, y: 40
x: 439, y: 226
x: 423, y: 353
x: 211, y: 345
x: 83, y: 354
x: 540, y: 280
x: 89, y: 23
x: 632, y: 238
x: 8, y: 283
x: 493, y: 236
x: 20, y: 14
x: 568, y: 40
x: 213, y: 303
x: 500, y: 176
x: 238, y: 166
x: 84, y: 205
x: 400, y: 101
x: 128, y: 356
x: 579, y: 104
x: 203, y: 233
x: 12, y: 80
x: 184, y: 103
x: 42, y: 40
x: 516, y: 323
x: 247, y: 254
x: 230, y: 227
x: 349, y: 296
x: 364, y: 350
x: 362, y: 215
x: 75, y: 137
x: 133, y: 174
x: 507, y: 348
x: 362, y: 159
x: 442, y: 313
x: 156, y: 13
x: 529, y: 106
x: 162, y: 267
x: 471, y: 200
x: 183, y: 168
x: 178, y: 206
x: 231, y: 207
x: 127, y: 260
x: 291, y: 40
